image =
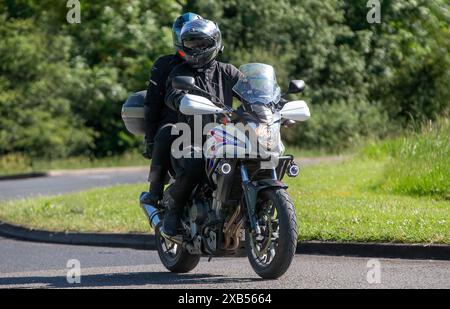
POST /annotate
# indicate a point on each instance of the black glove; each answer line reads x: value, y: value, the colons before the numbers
x: 223, y: 119
x: 148, y: 153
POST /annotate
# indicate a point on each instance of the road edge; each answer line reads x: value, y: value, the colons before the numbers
x: 132, y: 241
x: 23, y: 176
x: 147, y: 242
x: 76, y: 172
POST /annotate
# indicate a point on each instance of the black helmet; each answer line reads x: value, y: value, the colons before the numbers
x: 202, y: 42
x: 178, y: 25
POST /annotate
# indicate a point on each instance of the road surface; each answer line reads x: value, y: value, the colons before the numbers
x: 32, y: 265
x: 69, y: 182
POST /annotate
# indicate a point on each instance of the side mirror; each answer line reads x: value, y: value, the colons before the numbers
x: 185, y: 83
x: 296, y: 86
x: 296, y: 110
x: 197, y: 105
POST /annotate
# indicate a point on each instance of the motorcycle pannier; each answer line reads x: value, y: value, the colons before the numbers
x: 133, y: 113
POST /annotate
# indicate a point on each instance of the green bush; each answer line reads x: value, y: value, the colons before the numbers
x: 336, y: 127
x: 401, y: 66
x: 36, y: 115
x: 62, y: 85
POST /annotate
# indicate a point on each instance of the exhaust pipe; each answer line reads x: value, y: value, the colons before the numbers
x: 153, y: 214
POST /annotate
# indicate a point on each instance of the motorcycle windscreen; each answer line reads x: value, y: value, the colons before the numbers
x: 258, y: 84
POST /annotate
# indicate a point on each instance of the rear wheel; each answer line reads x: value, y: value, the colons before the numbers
x: 175, y: 258
x: 271, y: 252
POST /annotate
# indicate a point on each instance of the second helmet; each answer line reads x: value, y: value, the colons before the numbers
x: 178, y: 25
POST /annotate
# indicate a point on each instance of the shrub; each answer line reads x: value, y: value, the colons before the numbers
x: 335, y: 127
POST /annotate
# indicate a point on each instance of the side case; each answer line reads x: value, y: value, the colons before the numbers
x: 133, y: 113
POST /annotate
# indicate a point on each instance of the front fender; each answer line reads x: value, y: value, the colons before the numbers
x: 252, y: 189
x: 270, y: 183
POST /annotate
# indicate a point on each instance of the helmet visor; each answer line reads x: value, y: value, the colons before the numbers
x: 198, y: 44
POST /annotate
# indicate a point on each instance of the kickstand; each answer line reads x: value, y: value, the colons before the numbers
x: 210, y: 258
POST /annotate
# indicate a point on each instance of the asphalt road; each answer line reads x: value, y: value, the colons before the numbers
x: 53, y: 185
x: 32, y: 265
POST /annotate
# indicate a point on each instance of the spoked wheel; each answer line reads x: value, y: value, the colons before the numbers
x: 271, y: 252
x: 175, y: 258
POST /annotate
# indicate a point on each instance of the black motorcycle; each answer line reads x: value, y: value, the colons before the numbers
x: 243, y: 198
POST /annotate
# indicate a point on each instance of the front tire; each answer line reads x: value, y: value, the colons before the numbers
x: 271, y: 253
x: 175, y: 258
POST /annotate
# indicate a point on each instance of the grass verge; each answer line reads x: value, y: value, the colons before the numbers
x: 418, y: 164
x: 335, y: 202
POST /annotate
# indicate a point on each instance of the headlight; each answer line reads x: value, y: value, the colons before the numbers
x: 268, y: 136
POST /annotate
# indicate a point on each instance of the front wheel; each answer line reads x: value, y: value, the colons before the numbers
x: 271, y: 252
x: 175, y: 258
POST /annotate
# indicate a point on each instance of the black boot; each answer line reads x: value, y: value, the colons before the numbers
x: 172, y: 217
x: 150, y: 199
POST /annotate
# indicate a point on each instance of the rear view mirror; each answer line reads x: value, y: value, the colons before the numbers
x: 185, y: 83
x: 296, y: 110
x: 296, y: 86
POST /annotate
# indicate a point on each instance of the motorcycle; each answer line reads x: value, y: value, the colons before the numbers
x: 243, y: 199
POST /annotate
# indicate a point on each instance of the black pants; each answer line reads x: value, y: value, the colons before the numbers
x: 161, y: 159
x: 190, y: 173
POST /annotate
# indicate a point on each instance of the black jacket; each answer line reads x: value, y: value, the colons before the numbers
x: 157, y: 113
x: 216, y: 76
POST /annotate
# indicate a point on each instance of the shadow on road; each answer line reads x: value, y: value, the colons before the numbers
x: 122, y: 280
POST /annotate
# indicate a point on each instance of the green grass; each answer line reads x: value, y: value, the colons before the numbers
x: 113, y: 209
x: 418, y: 163
x: 335, y: 201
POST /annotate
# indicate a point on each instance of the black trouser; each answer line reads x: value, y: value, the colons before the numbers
x: 189, y: 174
x: 161, y: 159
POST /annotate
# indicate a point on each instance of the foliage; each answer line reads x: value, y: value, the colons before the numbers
x: 36, y: 115
x: 62, y: 85
x: 387, y: 74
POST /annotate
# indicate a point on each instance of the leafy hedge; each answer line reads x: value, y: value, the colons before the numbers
x: 62, y: 85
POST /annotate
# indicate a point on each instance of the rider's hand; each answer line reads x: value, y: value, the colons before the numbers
x: 148, y: 153
x: 224, y: 119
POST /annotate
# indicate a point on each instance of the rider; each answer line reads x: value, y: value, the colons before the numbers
x: 201, y: 43
x: 158, y: 117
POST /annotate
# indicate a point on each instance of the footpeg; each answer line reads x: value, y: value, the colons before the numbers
x: 178, y: 239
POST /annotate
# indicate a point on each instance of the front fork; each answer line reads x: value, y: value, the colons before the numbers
x: 251, y: 191
x: 250, y: 197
